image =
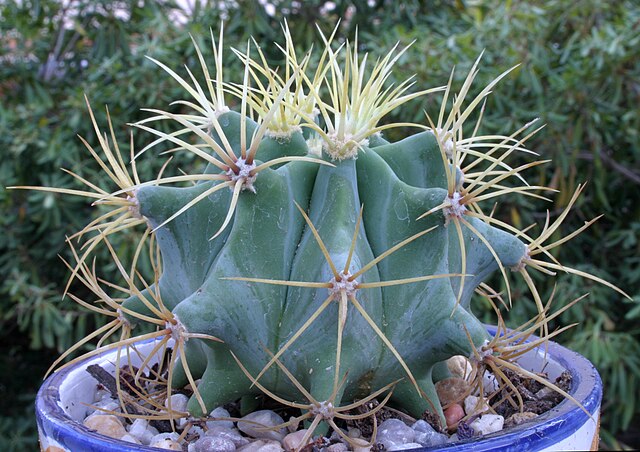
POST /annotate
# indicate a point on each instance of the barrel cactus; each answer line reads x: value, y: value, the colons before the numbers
x: 311, y: 259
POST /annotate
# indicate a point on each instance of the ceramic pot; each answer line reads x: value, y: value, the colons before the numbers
x: 62, y: 401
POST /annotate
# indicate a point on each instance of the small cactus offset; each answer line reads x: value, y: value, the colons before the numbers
x: 312, y: 260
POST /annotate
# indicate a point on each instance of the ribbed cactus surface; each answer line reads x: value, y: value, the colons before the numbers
x: 311, y: 259
x: 391, y: 317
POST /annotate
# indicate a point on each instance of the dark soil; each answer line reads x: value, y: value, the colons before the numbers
x: 536, y: 397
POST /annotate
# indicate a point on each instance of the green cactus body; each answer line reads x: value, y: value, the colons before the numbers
x: 395, y: 184
x: 312, y: 260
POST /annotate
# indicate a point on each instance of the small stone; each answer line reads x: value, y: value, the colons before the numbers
x: 219, y: 413
x: 214, y: 444
x: 54, y: 449
x: 489, y: 383
x: 105, y: 424
x: 405, y: 446
x: 230, y: 434
x: 429, y: 439
x: 453, y: 438
x: 335, y: 436
x: 545, y: 393
x: 259, y: 423
x: 167, y: 444
x: 196, y: 430
x: 101, y: 394
x: 488, y: 423
x: 293, y: 426
x: 262, y: 445
x: 422, y: 426
x: 354, y: 433
x: 519, y: 418
x: 459, y: 367
x: 452, y: 390
x: 102, y: 397
x: 142, y: 431
x: 178, y: 402
x: 359, y: 445
x: 475, y: 405
x: 394, y: 432
x: 453, y: 414
x: 338, y: 447
x: 130, y: 439
x: 106, y: 406
x: 161, y: 437
x: 293, y: 441
x: 138, y: 426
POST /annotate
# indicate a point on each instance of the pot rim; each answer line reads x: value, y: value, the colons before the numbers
x: 544, y: 431
x: 553, y: 426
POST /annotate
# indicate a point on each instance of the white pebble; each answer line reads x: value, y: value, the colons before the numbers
x: 293, y: 426
x: 489, y: 383
x: 196, y: 430
x: 262, y: 445
x: 488, y: 423
x: 178, y: 402
x: 430, y: 439
x: 167, y: 444
x: 359, y: 445
x: 475, y: 405
x: 101, y: 394
x: 426, y: 435
x: 138, y: 426
x: 545, y: 393
x: 422, y: 426
x: 173, y: 436
x: 219, y: 413
x: 230, y: 434
x: 142, y: 431
x: 394, y: 432
x: 106, y: 406
x: 214, y: 444
x: 293, y: 441
x: 259, y: 424
x: 338, y: 447
x: 459, y: 366
x: 130, y: 439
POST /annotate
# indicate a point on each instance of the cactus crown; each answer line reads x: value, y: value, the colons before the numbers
x: 312, y: 260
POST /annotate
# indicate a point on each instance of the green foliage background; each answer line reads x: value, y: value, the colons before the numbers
x: 580, y: 72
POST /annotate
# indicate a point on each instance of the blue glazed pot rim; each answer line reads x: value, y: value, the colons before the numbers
x: 55, y: 424
x: 547, y: 429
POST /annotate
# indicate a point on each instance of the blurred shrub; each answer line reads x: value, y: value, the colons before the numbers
x: 580, y: 72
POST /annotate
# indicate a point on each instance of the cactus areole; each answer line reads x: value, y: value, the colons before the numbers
x: 312, y: 260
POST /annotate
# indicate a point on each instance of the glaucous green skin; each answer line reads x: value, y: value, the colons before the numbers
x: 268, y: 238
